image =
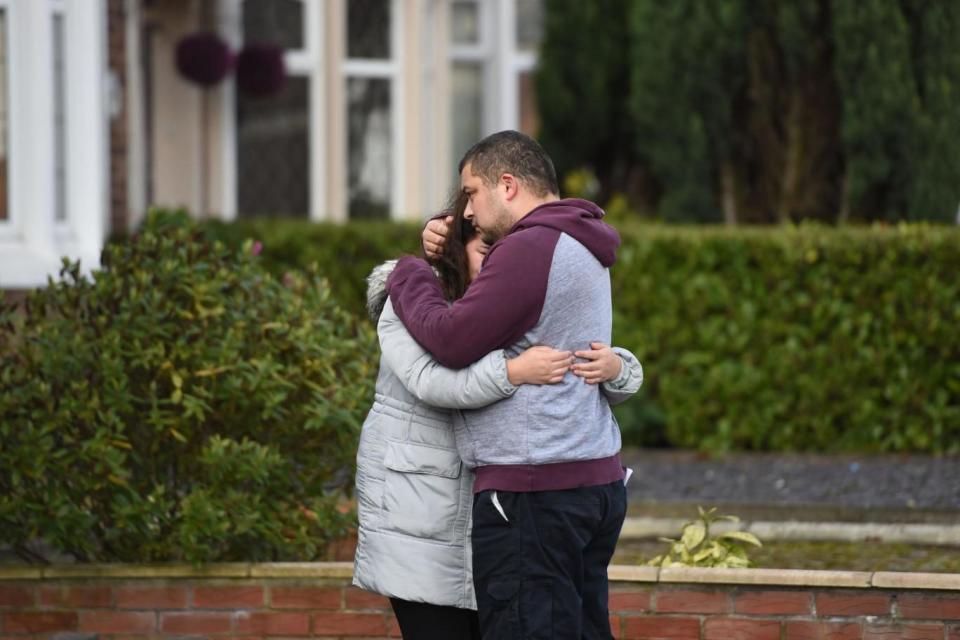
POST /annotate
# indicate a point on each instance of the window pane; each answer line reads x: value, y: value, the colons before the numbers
x: 465, y: 23
x: 4, y: 121
x: 369, y: 179
x: 273, y: 153
x: 467, y: 116
x: 529, y: 117
x: 368, y: 29
x: 277, y: 22
x: 59, y: 121
x: 529, y: 24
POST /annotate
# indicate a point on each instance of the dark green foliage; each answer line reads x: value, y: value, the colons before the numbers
x: 899, y: 68
x: 686, y: 70
x: 576, y: 89
x: 180, y: 405
x: 797, y: 338
x: 759, y: 111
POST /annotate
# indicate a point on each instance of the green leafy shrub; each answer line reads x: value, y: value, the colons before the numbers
x: 798, y: 338
x: 699, y: 547
x: 789, y: 338
x: 343, y: 253
x: 181, y: 404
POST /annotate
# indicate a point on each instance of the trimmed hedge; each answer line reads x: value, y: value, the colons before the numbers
x: 797, y: 338
x: 800, y: 338
x: 344, y: 253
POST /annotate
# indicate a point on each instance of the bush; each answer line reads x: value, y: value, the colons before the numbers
x: 798, y: 338
x: 343, y: 253
x: 181, y: 404
x: 791, y: 338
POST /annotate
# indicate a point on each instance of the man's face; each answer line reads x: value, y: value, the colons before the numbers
x: 486, y: 208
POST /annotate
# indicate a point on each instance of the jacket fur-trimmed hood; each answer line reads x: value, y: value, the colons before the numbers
x: 377, y: 288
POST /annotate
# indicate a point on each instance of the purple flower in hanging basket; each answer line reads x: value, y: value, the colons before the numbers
x: 204, y: 58
x: 260, y: 69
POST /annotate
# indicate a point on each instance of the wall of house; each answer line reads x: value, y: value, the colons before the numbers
x: 314, y: 600
x: 119, y: 218
x: 184, y: 124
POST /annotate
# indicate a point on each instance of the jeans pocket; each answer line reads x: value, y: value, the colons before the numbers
x: 518, y: 609
x: 536, y: 611
x: 500, y: 610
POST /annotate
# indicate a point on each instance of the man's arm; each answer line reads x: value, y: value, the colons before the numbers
x: 501, y: 305
x: 482, y: 383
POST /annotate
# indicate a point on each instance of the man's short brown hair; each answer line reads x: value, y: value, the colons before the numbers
x: 514, y: 153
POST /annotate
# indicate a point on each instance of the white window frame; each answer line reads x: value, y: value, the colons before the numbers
x: 305, y: 62
x: 482, y: 53
x: 503, y: 63
x: 30, y: 242
x: 9, y: 228
x: 382, y: 69
x: 62, y: 228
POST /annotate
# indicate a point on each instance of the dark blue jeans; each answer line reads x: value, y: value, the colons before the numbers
x: 540, y: 569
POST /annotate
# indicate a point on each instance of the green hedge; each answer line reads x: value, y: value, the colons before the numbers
x: 181, y: 404
x: 344, y: 253
x: 797, y: 338
x: 801, y: 338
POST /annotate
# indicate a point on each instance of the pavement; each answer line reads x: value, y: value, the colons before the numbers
x: 796, y: 486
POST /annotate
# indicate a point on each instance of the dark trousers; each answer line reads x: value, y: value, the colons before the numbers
x: 541, y: 572
x: 422, y: 621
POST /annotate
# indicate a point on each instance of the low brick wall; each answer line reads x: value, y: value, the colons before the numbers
x: 316, y: 601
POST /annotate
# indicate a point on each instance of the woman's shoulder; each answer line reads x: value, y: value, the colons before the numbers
x: 377, y: 288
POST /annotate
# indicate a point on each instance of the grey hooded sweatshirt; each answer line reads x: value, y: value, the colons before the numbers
x: 545, y: 282
x: 414, y: 494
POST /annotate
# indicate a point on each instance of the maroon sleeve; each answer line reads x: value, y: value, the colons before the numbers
x: 500, y: 306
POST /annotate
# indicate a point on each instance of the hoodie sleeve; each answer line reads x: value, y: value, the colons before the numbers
x: 501, y: 305
x: 482, y: 383
x: 628, y: 382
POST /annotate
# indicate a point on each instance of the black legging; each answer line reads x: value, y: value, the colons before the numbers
x: 421, y: 621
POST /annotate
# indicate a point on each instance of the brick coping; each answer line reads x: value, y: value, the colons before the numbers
x: 617, y: 573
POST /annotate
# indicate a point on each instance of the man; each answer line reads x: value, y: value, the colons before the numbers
x: 549, y: 498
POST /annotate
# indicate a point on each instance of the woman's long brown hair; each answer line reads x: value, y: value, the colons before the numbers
x: 452, y: 267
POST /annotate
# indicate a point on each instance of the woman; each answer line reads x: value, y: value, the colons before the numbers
x: 414, y: 495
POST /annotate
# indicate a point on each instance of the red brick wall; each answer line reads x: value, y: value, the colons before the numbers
x: 301, y: 608
x: 764, y: 613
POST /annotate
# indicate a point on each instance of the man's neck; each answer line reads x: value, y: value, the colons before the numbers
x: 529, y: 204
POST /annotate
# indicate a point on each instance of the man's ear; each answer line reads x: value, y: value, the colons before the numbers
x: 510, y: 185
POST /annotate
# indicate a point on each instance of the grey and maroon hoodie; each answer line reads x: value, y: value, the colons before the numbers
x: 546, y: 282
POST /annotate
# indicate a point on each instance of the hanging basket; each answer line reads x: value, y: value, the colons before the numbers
x: 261, y: 71
x: 204, y: 58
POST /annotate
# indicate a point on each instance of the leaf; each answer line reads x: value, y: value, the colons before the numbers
x: 742, y: 536
x: 693, y: 535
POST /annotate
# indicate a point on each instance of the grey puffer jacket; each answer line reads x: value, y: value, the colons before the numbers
x: 414, y: 495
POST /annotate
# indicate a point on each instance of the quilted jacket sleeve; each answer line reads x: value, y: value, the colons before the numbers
x: 482, y: 383
x: 628, y: 382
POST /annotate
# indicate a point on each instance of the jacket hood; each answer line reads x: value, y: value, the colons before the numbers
x: 377, y: 288
x: 580, y: 219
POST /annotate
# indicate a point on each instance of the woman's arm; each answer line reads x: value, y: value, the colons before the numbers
x: 486, y: 381
x: 618, y: 369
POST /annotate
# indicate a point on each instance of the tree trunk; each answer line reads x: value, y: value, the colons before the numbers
x: 728, y: 192
x: 792, y: 157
